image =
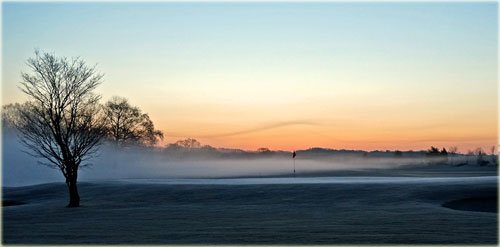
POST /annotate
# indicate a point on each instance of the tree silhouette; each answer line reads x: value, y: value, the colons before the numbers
x: 61, y: 122
x: 10, y: 115
x: 263, y: 150
x: 188, y: 143
x: 439, y: 157
x: 433, y: 151
x: 127, y: 124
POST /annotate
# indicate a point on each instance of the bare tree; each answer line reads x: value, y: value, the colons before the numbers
x: 61, y: 122
x: 188, y: 143
x: 127, y: 124
x: 10, y: 115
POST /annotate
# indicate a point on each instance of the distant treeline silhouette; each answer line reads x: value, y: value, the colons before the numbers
x: 191, y: 148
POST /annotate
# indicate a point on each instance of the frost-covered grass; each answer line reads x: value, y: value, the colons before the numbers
x: 123, y: 212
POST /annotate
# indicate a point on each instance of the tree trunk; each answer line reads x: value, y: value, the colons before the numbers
x: 74, y: 198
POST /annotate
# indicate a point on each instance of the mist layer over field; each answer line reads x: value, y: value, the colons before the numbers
x: 113, y: 162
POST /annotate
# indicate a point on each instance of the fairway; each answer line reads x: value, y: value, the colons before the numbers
x: 314, y: 213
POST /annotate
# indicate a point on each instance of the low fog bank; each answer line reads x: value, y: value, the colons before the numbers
x: 114, y: 162
x: 149, y: 163
x: 19, y: 168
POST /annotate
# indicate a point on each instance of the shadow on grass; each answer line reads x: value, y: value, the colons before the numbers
x: 479, y: 204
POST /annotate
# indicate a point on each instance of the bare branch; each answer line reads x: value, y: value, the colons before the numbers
x: 62, y: 123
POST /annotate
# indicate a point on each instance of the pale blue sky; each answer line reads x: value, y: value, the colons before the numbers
x: 234, y: 59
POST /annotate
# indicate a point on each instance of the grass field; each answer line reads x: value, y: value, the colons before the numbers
x: 290, y: 212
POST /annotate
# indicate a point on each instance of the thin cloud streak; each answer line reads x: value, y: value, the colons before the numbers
x: 252, y: 130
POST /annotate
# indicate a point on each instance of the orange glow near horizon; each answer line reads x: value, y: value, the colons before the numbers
x: 289, y: 143
x: 383, y: 130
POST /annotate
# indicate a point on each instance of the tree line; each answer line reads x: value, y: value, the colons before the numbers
x: 449, y: 156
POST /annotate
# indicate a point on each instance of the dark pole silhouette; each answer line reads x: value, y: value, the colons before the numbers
x: 293, y: 156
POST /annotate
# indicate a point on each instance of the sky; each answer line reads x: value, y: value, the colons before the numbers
x: 371, y: 76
